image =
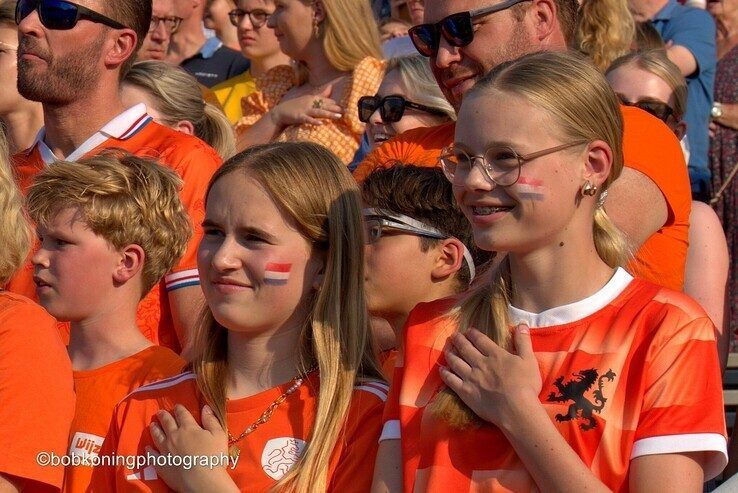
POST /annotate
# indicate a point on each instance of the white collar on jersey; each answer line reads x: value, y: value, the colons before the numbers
x: 578, y: 310
x: 121, y: 127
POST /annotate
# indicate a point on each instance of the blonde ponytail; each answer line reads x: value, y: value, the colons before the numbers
x: 216, y: 130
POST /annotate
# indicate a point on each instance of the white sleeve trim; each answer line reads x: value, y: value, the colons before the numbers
x: 391, y: 430
x: 694, y: 442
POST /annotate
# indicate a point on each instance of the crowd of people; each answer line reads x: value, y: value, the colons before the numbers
x: 367, y: 246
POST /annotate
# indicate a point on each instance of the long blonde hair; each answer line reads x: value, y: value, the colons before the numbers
x: 349, y: 33
x: 311, y: 186
x: 583, y: 107
x: 605, y: 30
x: 15, y: 230
x: 178, y: 97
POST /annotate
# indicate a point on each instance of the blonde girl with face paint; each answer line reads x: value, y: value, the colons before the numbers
x: 560, y: 372
x: 283, y: 382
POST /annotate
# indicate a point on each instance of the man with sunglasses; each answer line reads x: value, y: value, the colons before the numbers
x: 164, y: 23
x: 464, y: 39
x: 71, y: 58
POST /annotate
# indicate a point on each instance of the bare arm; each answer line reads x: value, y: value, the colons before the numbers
x: 388, y: 468
x: 186, y: 304
x: 682, y: 58
x: 261, y: 132
x: 648, y: 472
x: 636, y: 206
x: 706, y: 271
x: 10, y: 484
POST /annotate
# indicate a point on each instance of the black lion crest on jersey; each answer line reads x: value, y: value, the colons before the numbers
x: 574, y: 390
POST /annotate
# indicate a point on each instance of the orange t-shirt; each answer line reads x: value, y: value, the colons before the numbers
x: 630, y: 371
x: 648, y: 146
x: 36, y: 393
x: 194, y: 161
x: 98, y: 391
x: 268, y: 452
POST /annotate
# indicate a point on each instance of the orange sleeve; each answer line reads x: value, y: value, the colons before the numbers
x: 683, y: 400
x: 195, y: 163
x: 36, y: 391
x: 354, y: 469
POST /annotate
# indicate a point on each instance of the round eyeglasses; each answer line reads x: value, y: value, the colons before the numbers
x: 500, y: 164
x: 257, y: 17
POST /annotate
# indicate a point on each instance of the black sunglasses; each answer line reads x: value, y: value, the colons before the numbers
x: 60, y: 14
x: 457, y: 29
x: 391, y: 108
x: 659, y: 109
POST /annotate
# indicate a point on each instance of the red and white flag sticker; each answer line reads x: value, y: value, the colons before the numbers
x: 277, y: 274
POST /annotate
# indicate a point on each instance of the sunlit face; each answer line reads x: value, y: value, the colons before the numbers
x: 257, y: 42
x: 397, y: 274
x: 416, y: 8
x: 132, y: 95
x: 292, y: 22
x: 633, y: 84
x: 73, y: 268
x: 379, y: 131
x: 498, y: 38
x: 257, y: 271
x: 9, y: 97
x: 156, y: 42
x: 536, y: 210
x: 60, y: 66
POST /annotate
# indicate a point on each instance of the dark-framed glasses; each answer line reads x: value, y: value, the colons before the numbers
x: 657, y: 108
x: 61, y: 15
x: 500, y: 164
x: 257, y: 17
x: 391, y: 108
x: 457, y: 29
x: 171, y: 23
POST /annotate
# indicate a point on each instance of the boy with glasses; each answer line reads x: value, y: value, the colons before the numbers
x: 419, y: 246
x: 71, y: 58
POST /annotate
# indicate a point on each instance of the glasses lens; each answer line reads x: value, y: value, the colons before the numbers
x: 425, y: 37
x: 23, y: 9
x: 235, y: 16
x: 367, y: 106
x: 452, y: 160
x: 659, y: 110
x: 373, y: 231
x: 258, y: 18
x: 57, y: 14
x: 393, y: 107
x: 504, y: 165
x: 457, y: 29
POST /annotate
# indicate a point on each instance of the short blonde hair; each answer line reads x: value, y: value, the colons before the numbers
x: 605, y: 30
x: 178, y: 97
x: 418, y: 81
x: 656, y: 62
x: 15, y: 231
x: 122, y: 198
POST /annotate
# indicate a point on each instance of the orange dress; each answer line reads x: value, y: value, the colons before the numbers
x: 340, y: 136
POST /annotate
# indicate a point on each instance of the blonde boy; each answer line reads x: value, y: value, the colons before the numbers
x: 109, y: 227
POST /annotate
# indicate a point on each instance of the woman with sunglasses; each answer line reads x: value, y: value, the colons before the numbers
x: 409, y: 97
x: 560, y: 371
x: 258, y: 44
x: 336, y: 46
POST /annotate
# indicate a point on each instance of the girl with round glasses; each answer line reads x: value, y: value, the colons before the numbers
x: 409, y: 97
x: 560, y: 371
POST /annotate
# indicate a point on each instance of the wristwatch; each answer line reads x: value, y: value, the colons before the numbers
x: 717, y: 110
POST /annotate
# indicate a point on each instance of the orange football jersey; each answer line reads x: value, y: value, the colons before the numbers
x: 267, y: 453
x: 630, y: 371
x: 194, y: 161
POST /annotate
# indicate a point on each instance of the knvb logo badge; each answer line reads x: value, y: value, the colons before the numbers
x: 85, y: 445
x: 280, y: 454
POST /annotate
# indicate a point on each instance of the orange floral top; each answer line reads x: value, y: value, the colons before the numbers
x: 341, y: 136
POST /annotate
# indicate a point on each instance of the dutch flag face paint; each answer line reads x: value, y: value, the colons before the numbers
x: 530, y: 188
x: 277, y: 274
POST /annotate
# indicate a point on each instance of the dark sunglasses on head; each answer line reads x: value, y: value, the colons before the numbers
x: 457, y: 29
x: 60, y: 14
x: 659, y: 109
x: 391, y: 108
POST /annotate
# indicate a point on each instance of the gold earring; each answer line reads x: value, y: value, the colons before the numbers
x: 316, y: 28
x: 588, y: 189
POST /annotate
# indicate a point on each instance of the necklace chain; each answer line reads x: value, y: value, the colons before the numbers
x: 233, y: 449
